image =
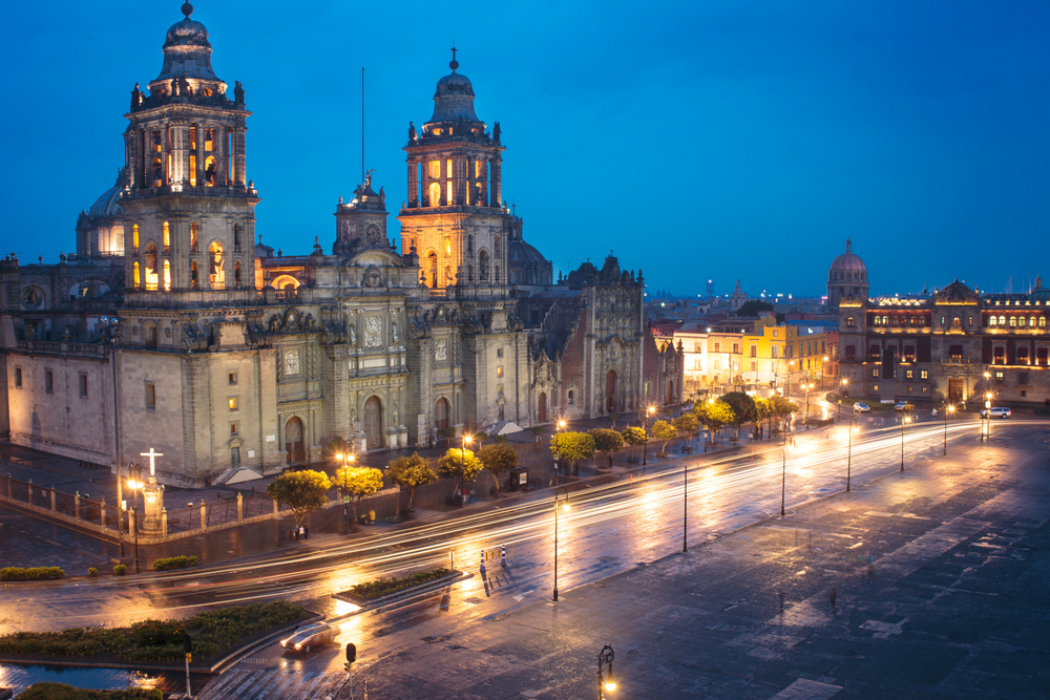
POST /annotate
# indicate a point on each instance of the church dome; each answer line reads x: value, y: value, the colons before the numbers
x: 454, y: 98
x: 848, y: 262
x: 109, y: 203
x: 187, y: 51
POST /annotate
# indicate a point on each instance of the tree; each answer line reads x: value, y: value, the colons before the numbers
x: 744, y: 410
x: 410, y: 473
x: 338, y: 445
x: 536, y: 430
x: 753, y: 308
x: 662, y: 430
x: 782, y: 408
x: 764, y: 409
x: 633, y: 435
x: 499, y: 458
x: 687, y: 423
x: 606, y: 441
x: 459, y: 464
x: 615, y: 415
x: 358, y: 482
x: 714, y: 415
x: 304, y: 491
x: 572, y: 447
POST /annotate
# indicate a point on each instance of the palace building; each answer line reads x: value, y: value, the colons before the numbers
x: 172, y: 326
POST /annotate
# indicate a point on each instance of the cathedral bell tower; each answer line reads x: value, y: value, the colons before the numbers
x: 454, y: 217
x: 189, y: 203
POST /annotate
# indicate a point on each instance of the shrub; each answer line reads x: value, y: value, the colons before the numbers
x: 120, y: 570
x: 179, y: 562
x: 36, y: 573
x: 385, y: 586
x: 92, y: 571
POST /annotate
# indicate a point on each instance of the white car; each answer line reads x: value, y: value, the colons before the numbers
x: 310, y: 636
x: 995, y: 412
x: 861, y: 407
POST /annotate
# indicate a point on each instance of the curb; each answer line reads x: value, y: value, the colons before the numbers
x: 379, y: 602
x: 250, y: 648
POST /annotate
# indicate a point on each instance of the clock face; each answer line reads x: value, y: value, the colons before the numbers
x: 30, y: 297
x: 373, y: 234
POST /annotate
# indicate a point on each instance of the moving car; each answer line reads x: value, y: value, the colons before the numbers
x: 995, y: 412
x: 861, y: 407
x: 308, y: 636
x: 903, y: 406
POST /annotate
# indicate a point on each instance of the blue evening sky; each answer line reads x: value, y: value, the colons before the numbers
x: 724, y: 139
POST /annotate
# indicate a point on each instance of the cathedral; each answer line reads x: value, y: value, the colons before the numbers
x: 173, y: 327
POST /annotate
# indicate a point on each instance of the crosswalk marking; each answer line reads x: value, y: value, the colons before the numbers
x: 272, y: 684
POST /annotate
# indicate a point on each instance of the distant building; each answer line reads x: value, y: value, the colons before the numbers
x: 847, y: 277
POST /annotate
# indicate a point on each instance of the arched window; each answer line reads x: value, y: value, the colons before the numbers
x: 432, y: 268
x: 1002, y: 321
x: 434, y: 194
x: 135, y: 275
x: 237, y: 274
x: 151, y: 268
x: 1021, y: 321
x: 195, y: 231
x: 885, y: 320
x: 992, y: 321
x: 237, y: 229
x: 878, y: 321
x: 1013, y: 322
x: 956, y: 322
x: 167, y: 276
x: 216, y: 266
x: 850, y: 322
x: 158, y: 173
x: 195, y: 282
x: 211, y: 172
x: 135, y: 237
x: 167, y: 236
x: 483, y: 264
x: 1042, y: 321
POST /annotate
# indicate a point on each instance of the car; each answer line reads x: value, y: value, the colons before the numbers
x: 861, y: 407
x: 311, y: 636
x: 903, y: 406
x: 996, y: 412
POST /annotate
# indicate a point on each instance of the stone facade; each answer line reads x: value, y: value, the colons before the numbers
x: 956, y: 345
x: 173, y: 328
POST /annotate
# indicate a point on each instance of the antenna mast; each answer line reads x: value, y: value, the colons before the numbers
x: 362, y: 124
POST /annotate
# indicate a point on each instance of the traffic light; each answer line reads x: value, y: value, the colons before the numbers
x: 346, y: 667
x: 351, y: 653
x: 187, y: 643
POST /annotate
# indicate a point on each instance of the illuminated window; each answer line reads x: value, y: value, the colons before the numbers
x: 925, y: 389
x: 435, y: 169
x: 193, y: 138
x: 448, y: 168
x: 1042, y: 321
x: 478, y: 168
x: 1013, y: 322
x: 909, y: 374
x: 999, y: 377
x: 499, y: 371
x: 195, y: 282
x: 233, y: 403
x: 876, y: 387
x: 885, y: 320
x: 195, y: 230
x: 151, y: 396
x: 167, y: 276
x: 850, y: 323
x: 875, y: 374
x: 158, y: 142
x: 151, y: 268
x: 1021, y: 321
x: 209, y: 139
x: 992, y: 322
x: 217, y: 271
x: 137, y: 281
x: 956, y: 322
x: 237, y: 273
x: 878, y: 321
x: 448, y: 190
x: 135, y: 237
x: 924, y: 374
x: 211, y: 171
x: 435, y: 194
x: 167, y: 236
x: 1002, y: 321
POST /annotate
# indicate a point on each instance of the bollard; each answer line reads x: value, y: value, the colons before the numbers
x: 483, y: 563
x: 204, y: 516
x: 52, y: 496
x: 451, y: 560
x: 503, y: 556
x: 102, y: 512
x: 240, y: 506
x: 76, y: 505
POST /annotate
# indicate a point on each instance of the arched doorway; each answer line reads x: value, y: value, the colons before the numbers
x: 670, y: 393
x: 610, y: 391
x: 373, y: 424
x: 432, y: 269
x: 441, y: 414
x: 293, y: 441
x: 541, y: 410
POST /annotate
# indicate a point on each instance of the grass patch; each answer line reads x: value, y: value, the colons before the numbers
x: 386, y: 586
x: 179, y: 562
x: 213, y: 632
x: 61, y: 691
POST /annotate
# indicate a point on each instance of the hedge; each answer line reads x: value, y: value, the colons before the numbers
x: 179, y: 562
x: 213, y: 632
x: 36, y: 573
x: 385, y: 586
x: 61, y: 691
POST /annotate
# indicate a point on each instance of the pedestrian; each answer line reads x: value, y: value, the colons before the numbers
x: 296, y: 533
x: 306, y: 533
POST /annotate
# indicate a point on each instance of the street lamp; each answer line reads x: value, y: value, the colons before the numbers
x: 345, y: 459
x: 645, y: 446
x: 854, y: 427
x: 783, y: 474
x: 947, y: 409
x: 822, y: 371
x: 904, y: 421
x: 135, y: 485
x: 562, y: 504
x: 685, y: 506
x: 842, y: 392
x: 462, y: 466
x: 987, y: 415
x: 605, y: 682
x: 557, y: 455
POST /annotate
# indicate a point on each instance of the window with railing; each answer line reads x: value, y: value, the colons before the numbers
x: 850, y: 353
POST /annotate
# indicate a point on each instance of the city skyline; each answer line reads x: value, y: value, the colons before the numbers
x: 919, y: 124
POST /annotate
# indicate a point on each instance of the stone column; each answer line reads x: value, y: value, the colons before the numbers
x: 133, y: 516
x: 153, y: 501
x: 204, y: 515
x: 164, y: 522
x: 240, y: 506
x: 496, y: 188
x: 413, y: 184
x: 239, y: 159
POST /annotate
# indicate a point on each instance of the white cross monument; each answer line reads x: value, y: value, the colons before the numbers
x: 153, y: 497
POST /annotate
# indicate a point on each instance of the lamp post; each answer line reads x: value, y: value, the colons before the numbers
x: 605, y: 682
x: 854, y: 427
x: 135, y: 485
x: 842, y: 392
x: 904, y: 421
x: 987, y: 415
x: 783, y: 474
x: 645, y: 446
x: 807, y: 387
x: 557, y: 455
x: 346, y: 459
x: 462, y: 466
x: 822, y: 370
x: 947, y: 409
x: 685, y: 507
x: 563, y: 504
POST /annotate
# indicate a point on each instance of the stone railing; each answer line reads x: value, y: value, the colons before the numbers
x: 61, y: 347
